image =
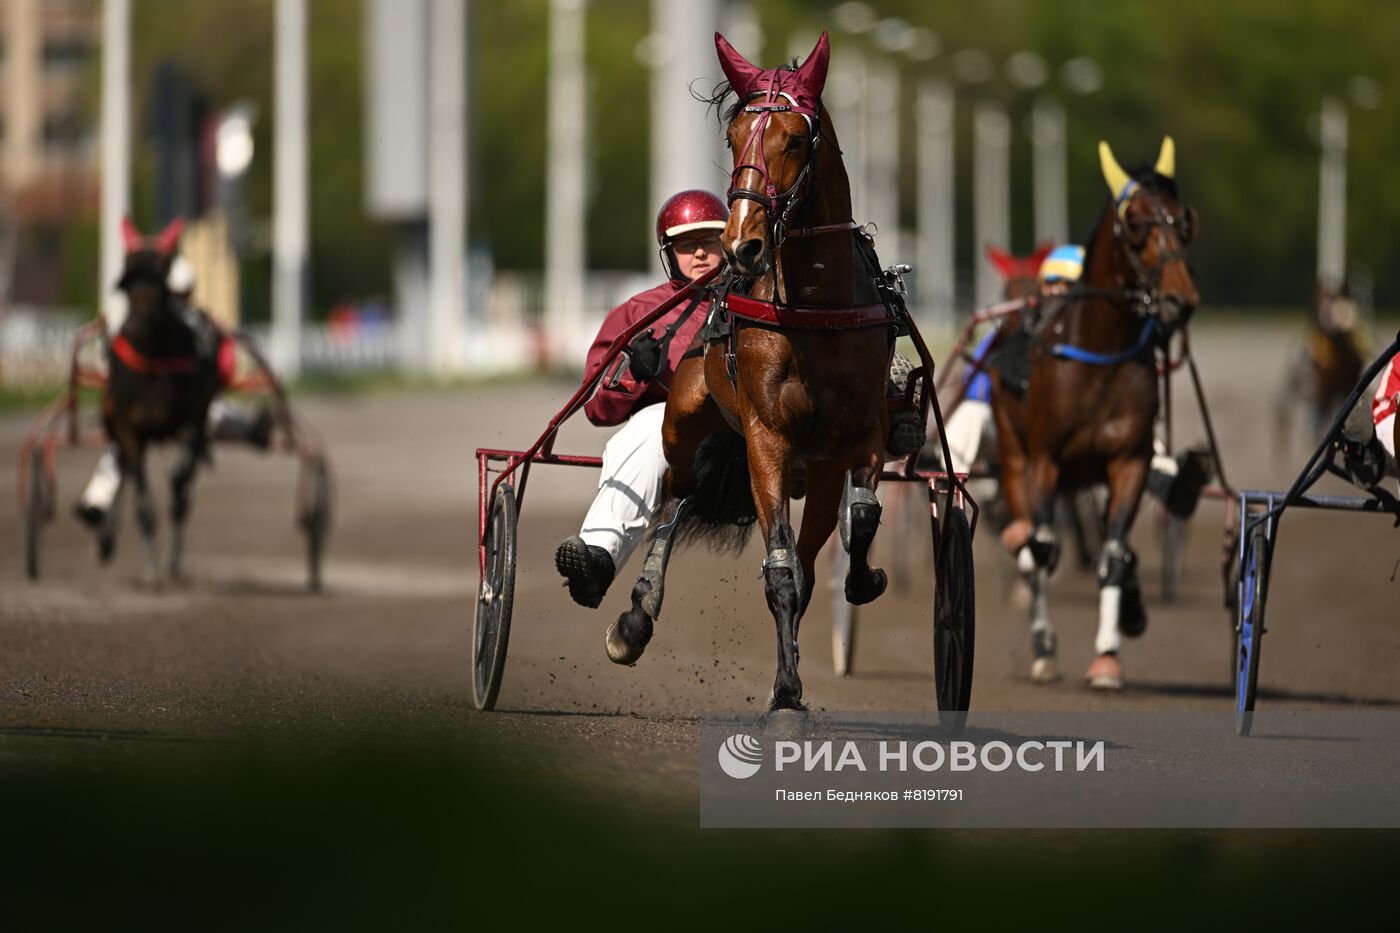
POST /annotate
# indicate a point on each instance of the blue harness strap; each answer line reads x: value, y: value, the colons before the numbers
x: 1067, y: 352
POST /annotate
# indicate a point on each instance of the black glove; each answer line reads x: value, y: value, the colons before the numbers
x: 645, y: 359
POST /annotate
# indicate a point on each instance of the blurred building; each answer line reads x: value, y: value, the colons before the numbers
x: 48, y: 139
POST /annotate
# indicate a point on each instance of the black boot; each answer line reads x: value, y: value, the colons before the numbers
x: 908, y: 431
x: 587, y: 568
x: 1363, y: 455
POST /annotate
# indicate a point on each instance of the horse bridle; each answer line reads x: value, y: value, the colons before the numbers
x: 779, y: 206
x: 1144, y: 297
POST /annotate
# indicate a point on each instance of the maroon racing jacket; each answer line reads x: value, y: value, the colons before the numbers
x: 619, y: 395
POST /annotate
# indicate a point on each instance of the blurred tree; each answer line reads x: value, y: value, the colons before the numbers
x: 1237, y: 84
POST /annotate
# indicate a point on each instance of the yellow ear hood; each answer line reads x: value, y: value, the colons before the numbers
x: 1166, y: 159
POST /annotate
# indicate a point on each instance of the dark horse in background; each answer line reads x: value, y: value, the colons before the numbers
x: 159, y: 388
x: 788, y: 407
x: 1092, y: 400
x: 1321, y: 373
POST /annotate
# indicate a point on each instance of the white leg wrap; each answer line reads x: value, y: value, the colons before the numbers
x: 101, y: 490
x: 1110, y: 597
x: 629, y: 489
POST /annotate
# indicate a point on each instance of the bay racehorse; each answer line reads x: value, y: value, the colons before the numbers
x: 1087, y: 416
x: 159, y: 388
x: 783, y: 394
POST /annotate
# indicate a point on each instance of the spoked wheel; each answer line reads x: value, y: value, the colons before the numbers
x: 843, y: 614
x: 36, y: 508
x: 315, y: 519
x: 1249, y: 628
x: 954, y: 620
x: 491, y: 632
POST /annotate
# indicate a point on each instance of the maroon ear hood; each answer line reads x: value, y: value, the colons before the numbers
x: 804, y: 85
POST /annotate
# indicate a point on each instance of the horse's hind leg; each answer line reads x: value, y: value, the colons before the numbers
x: 859, y: 517
x: 181, y: 476
x: 1036, y: 559
x: 627, y: 637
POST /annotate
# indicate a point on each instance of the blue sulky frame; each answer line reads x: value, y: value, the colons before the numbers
x: 1262, y: 513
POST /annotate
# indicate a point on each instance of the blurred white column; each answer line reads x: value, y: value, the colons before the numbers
x: 1050, y: 174
x: 289, y: 188
x: 935, y: 270
x: 565, y: 206
x: 880, y: 114
x: 854, y: 76
x: 1332, y: 196
x: 684, y: 51
x: 447, y: 199
x: 991, y: 193
x: 116, y: 154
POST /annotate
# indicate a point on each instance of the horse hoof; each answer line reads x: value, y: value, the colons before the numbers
x: 106, y: 545
x: 1105, y: 673
x: 858, y: 593
x: 1043, y: 671
x: 627, y: 638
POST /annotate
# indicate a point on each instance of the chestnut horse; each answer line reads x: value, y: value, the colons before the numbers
x: 793, y: 403
x: 1088, y: 414
x: 159, y: 388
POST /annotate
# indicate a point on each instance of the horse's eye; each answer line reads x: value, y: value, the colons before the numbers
x: 795, y: 144
x: 1135, y: 229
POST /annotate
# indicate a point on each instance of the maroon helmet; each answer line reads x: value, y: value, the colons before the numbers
x: 689, y: 210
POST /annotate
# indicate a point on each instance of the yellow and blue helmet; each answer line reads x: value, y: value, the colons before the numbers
x: 1064, y: 264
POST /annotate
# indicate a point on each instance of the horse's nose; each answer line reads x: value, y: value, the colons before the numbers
x: 749, y: 253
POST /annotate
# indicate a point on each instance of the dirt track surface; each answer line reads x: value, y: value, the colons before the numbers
x: 94, y: 667
x: 242, y: 646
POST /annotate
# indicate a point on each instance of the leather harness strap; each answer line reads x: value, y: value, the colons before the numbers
x: 136, y: 361
x: 757, y: 311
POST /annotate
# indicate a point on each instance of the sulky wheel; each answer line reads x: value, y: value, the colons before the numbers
x: 315, y: 519
x: 36, y: 508
x: 843, y: 614
x: 491, y: 632
x: 954, y: 620
x: 1249, y: 627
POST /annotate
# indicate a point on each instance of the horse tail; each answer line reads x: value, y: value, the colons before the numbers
x: 720, y: 512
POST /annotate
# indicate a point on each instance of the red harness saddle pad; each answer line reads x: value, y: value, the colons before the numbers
x: 758, y: 311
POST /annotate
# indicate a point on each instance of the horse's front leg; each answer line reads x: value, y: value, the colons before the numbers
x: 1121, y: 610
x: 784, y: 578
x: 181, y: 477
x: 134, y: 465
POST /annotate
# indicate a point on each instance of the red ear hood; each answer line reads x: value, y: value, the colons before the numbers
x: 169, y: 238
x: 1004, y: 262
x: 804, y: 85
x: 1038, y: 257
x: 131, y: 237
x: 742, y: 74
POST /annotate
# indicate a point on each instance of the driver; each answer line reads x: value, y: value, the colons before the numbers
x: 633, y: 394
x: 1368, y: 434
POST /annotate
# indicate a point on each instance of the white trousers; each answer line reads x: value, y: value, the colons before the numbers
x: 965, y: 428
x: 629, y: 491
